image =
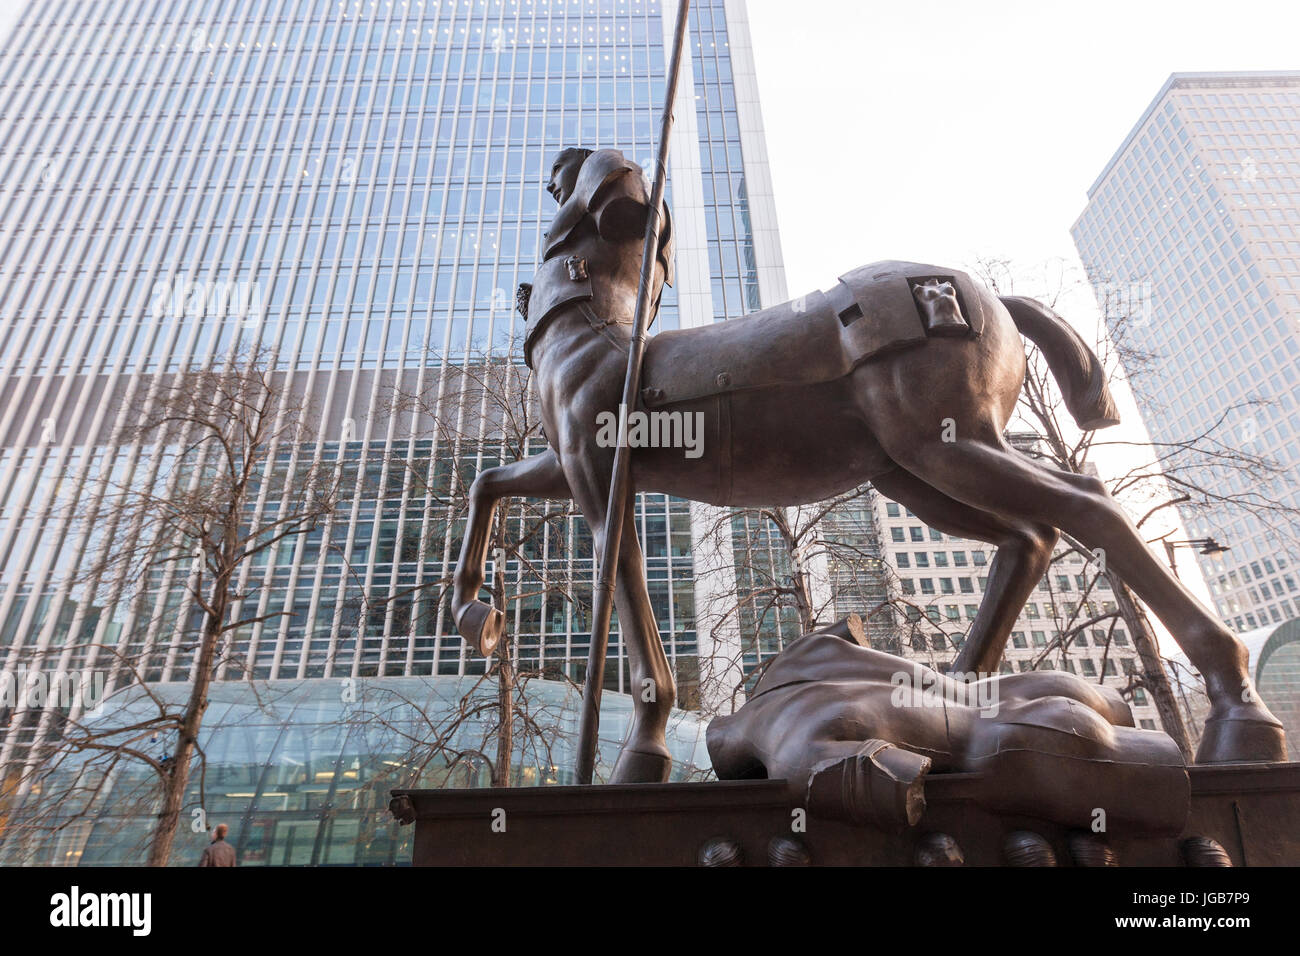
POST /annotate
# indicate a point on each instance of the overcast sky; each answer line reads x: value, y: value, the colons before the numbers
x: 943, y: 131
x: 938, y: 130
x: 8, y: 13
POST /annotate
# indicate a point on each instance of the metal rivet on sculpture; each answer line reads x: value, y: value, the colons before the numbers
x: 1026, y: 848
x: 721, y: 851
x: 1090, y: 850
x: 787, y: 851
x: 901, y: 374
x: 1203, y: 851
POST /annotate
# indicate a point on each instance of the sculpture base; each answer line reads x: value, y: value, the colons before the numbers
x: 1252, y: 811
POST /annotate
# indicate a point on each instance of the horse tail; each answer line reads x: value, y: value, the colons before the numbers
x: 1075, y: 367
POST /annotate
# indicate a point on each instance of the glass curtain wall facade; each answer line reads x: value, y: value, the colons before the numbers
x: 357, y: 187
x: 303, y: 777
x: 1190, y: 235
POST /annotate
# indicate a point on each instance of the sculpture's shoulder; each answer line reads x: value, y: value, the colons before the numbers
x: 612, y: 196
x: 828, y: 657
x: 604, y: 173
x: 605, y: 167
x: 619, y: 195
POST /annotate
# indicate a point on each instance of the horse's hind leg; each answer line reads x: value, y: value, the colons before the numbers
x: 539, y: 477
x: 983, y: 472
x: 1024, y: 552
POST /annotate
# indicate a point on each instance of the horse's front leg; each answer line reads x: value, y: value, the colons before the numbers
x: 538, y: 477
x: 645, y: 757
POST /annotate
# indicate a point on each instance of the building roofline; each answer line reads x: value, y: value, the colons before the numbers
x: 1218, y: 81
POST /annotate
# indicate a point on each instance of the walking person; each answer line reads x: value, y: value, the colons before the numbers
x: 218, y: 852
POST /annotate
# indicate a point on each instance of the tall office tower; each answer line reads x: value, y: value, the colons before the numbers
x: 1190, y: 236
x: 938, y: 582
x: 356, y: 185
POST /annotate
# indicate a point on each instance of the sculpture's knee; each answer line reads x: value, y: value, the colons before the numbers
x: 1036, y: 541
x: 729, y: 750
x: 484, y: 487
x: 1106, y: 701
x: 1046, y: 724
x: 1044, y: 538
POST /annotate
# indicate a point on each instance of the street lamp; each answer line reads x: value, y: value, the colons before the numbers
x: 1206, y: 545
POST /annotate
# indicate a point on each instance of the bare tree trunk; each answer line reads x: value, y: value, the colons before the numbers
x: 229, y: 420
x: 505, y: 672
x: 803, y: 601
x: 506, y: 702
x: 1156, y: 679
x: 799, y: 575
x: 178, y: 773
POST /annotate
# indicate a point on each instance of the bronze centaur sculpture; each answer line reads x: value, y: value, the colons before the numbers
x: 902, y: 374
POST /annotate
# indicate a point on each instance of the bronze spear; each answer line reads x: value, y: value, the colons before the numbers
x: 619, y: 488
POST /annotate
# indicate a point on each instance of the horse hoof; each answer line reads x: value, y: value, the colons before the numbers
x: 481, y: 625
x: 637, y: 766
x: 1242, y: 740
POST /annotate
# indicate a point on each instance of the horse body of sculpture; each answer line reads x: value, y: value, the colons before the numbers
x: 902, y: 394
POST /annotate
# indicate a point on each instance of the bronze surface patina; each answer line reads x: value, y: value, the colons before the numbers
x: 854, y: 732
x: 901, y: 374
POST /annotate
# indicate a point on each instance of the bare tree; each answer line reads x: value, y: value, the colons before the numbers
x: 781, y: 557
x: 786, y: 572
x: 176, y: 539
x: 481, y: 412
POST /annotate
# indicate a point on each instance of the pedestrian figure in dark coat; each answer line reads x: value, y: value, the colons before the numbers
x: 218, y: 852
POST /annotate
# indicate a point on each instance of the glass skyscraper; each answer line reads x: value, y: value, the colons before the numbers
x: 1190, y: 236
x: 358, y: 187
